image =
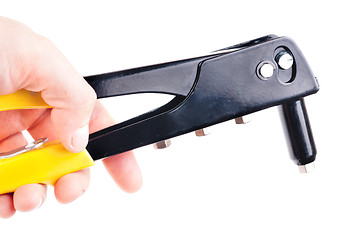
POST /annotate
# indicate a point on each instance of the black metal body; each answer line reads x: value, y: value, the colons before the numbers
x: 209, y: 90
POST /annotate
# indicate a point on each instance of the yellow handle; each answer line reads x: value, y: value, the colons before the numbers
x: 43, y: 165
x: 22, y: 99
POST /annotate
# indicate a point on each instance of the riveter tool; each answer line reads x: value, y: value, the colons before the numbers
x: 226, y: 84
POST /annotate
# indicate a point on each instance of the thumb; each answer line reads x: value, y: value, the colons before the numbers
x: 35, y: 64
x: 71, y: 121
x: 73, y: 101
x: 63, y: 88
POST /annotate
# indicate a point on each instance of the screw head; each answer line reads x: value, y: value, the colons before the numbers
x: 265, y: 70
x: 162, y: 144
x: 242, y: 120
x: 284, y: 60
x: 202, y: 132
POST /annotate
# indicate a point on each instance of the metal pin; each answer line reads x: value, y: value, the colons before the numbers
x: 306, y: 168
x: 162, y: 144
x: 202, y: 132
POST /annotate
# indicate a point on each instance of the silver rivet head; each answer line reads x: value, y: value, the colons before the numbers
x: 265, y: 70
x: 284, y: 60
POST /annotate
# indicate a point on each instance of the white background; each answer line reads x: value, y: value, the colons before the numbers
x: 238, y: 182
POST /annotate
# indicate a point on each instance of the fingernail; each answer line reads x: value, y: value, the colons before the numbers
x: 80, y: 139
x: 82, y: 192
x: 40, y: 203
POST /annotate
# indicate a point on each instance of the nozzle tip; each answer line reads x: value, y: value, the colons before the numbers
x: 306, y: 168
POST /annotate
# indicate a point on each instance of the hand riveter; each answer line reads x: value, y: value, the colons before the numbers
x: 223, y: 85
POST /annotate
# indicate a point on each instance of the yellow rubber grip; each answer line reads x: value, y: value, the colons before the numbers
x: 22, y: 99
x: 43, y: 165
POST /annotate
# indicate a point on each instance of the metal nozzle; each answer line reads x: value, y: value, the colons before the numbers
x: 299, y: 134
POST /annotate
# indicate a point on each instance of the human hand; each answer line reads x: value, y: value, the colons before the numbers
x: 29, y: 61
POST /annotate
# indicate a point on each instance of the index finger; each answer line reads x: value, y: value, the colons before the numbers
x: 123, y: 167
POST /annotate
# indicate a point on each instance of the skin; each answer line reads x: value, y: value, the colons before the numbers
x: 30, y: 61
